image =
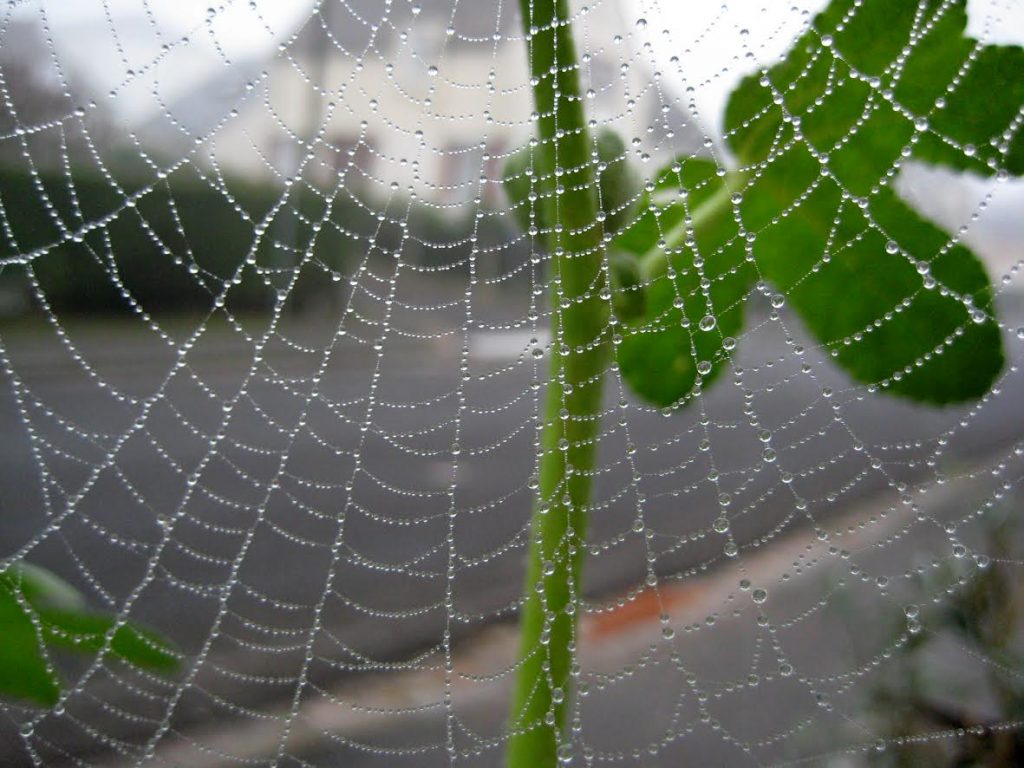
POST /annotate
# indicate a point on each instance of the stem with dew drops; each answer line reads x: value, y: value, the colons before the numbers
x: 580, y: 354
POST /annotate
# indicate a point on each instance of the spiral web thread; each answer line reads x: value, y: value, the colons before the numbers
x: 323, y: 501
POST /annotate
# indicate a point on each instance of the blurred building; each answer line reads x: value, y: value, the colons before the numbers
x: 407, y: 99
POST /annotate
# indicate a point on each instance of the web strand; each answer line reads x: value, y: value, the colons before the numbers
x: 275, y: 339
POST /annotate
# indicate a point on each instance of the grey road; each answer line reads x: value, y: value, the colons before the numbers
x: 322, y: 494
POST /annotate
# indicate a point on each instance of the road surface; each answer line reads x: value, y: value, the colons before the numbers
x: 227, y: 521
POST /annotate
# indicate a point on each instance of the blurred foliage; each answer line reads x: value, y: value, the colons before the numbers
x: 923, y: 693
x: 668, y: 348
x: 617, y: 181
x: 170, y: 244
x: 40, y: 614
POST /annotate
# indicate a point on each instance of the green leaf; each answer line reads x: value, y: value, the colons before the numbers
x: 856, y: 85
x: 38, y: 610
x: 86, y: 633
x: 24, y: 671
x: 661, y: 353
x: 821, y: 136
x: 44, y: 588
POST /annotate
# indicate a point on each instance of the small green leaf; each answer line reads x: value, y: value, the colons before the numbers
x: 24, y: 672
x: 39, y: 610
x: 44, y: 588
x: 885, y: 290
x: 684, y: 325
x: 86, y: 633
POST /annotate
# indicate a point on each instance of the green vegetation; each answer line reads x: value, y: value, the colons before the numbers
x: 179, y: 238
x: 808, y: 216
x: 40, y: 614
x: 581, y: 350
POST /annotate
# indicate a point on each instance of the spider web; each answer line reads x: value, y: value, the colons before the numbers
x: 287, y: 412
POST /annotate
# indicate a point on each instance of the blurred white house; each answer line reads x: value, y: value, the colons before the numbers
x: 422, y: 99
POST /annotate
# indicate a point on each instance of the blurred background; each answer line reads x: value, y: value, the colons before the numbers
x: 266, y: 322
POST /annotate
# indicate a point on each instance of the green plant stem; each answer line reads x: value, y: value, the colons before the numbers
x: 654, y: 264
x: 580, y: 354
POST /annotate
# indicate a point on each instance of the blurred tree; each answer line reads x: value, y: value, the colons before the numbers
x: 45, y: 109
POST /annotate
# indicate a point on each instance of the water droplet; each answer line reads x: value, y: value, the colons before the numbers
x: 707, y: 323
x: 759, y: 595
x: 565, y: 754
x: 778, y: 300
